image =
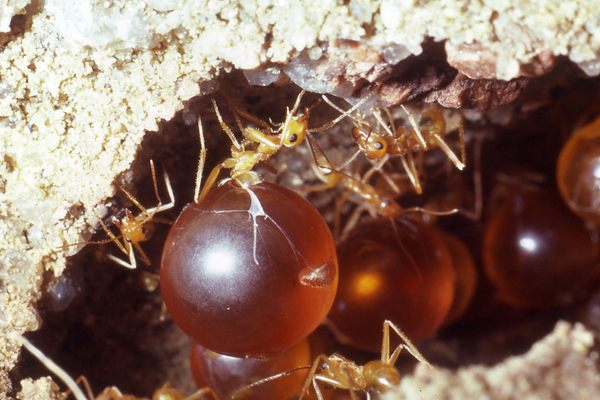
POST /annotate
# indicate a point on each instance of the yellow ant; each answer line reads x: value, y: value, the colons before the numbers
x: 372, y: 201
x: 399, y: 142
x: 261, y: 142
x: 375, y: 376
x: 165, y: 392
x: 135, y: 229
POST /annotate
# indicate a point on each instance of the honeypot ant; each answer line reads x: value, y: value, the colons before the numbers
x: 266, y: 138
x: 396, y: 141
x: 375, y: 376
x: 165, y: 392
x: 136, y: 228
x: 373, y: 202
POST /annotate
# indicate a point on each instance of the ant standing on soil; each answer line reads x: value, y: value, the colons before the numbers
x: 136, y: 228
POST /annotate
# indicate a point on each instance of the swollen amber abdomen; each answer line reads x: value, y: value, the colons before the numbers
x: 578, y: 171
x: 249, y: 270
x: 536, y: 252
x: 404, y: 275
x: 226, y: 374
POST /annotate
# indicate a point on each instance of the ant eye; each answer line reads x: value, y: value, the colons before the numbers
x: 378, y: 145
x: 293, y: 138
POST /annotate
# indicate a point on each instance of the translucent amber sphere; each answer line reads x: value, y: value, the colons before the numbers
x: 466, y: 276
x: 536, y: 252
x: 249, y: 270
x: 578, y: 171
x: 403, y: 274
x: 226, y: 374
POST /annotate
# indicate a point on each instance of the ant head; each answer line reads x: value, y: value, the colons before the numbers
x: 389, y: 208
x: 294, y: 130
x: 376, y: 147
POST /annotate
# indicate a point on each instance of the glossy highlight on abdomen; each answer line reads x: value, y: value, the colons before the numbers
x: 249, y: 270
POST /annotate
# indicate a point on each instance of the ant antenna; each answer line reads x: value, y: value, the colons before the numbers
x: 242, y: 392
x: 344, y: 114
x: 416, y: 128
x: 201, y: 160
x: 53, y: 367
x: 226, y: 127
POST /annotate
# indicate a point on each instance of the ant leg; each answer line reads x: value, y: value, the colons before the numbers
x: 408, y: 345
x: 344, y: 114
x: 160, y: 220
x: 353, y: 220
x: 53, y: 367
x: 133, y: 200
x: 461, y: 138
x: 349, y: 160
x: 201, y: 161
x: 437, y: 213
x: 143, y: 255
x: 390, y: 130
x: 64, y: 246
x: 163, y: 207
x: 296, y: 106
x: 250, y: 117
x: 154, y: 182
x: 226, y: 127
x: 446, y: 149
x: 203, y: 393
x: 132, y: 264
x: 416, y: 130
x: 337, y: 219
x: 411, y: 173
x: 113, y: 238
x: 82, y: 380
x: 210, y: 181
x: 244, y: 390
x: 311, y: 375
x: 214, y: 174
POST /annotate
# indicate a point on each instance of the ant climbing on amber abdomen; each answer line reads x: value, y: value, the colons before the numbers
x: 236, y: 234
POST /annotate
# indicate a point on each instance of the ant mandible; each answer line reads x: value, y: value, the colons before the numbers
x: 375, y: 376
